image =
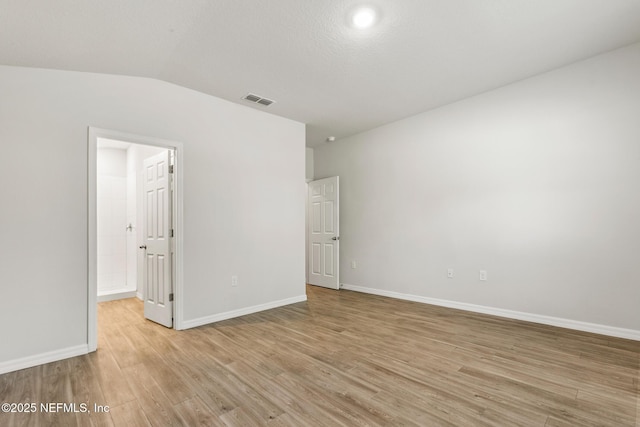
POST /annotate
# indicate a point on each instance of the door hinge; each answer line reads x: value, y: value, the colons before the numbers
x: 170, y: 168
x: 171, y: 296
x: 171, y: 235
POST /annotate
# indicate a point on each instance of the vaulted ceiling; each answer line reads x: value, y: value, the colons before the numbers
x: 307, y: 55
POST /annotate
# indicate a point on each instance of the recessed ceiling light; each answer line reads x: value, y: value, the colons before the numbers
x: 364, y: 18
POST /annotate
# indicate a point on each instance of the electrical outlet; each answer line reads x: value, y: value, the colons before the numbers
x: 483, y: 275
x: 353, y: 264
x: 234, y: 280
x: 450, y: 273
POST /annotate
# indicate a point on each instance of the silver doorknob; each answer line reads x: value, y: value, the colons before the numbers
x: 335, y: 238
x: 143, y: 247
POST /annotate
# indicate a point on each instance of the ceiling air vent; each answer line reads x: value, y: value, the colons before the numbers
x: 258, y: 99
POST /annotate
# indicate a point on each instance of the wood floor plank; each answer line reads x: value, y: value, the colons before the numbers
x: 54, y: 368
x: 114, y: 386
x: 560, y: 372
x: 194, y: 412
x: 322, y: 403
x: 26, y: 389
x: 241, y: 418
x: 513, y: 395
x: 6, y: 381
x: 201, y: 378
x: 253, y: 402
x: 421, y: 412
x: 85, y: 388
x: 129, y: 414
x: 455, y: 402
x: 339, y: 359
x: 347, y: 395
x: 303, y: 411
x: 284, y: 420
x: 164, y: 374
x: 56, y: 389
x: 155, y: 404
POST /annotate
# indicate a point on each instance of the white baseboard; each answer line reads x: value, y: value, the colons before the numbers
x: 187, y: 324
x: 40, y: 359
x: 115, y: 295
x: 510, y: 314
x: 139, y: 296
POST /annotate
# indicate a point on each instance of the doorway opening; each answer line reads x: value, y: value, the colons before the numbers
x: 135, y: 223
x: 120, y: 217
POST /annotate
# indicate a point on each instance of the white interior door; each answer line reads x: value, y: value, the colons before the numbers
x: 157, y: 274
x: 324, y: 237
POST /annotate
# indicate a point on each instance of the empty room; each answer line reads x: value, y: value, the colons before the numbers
x: 320, y: 213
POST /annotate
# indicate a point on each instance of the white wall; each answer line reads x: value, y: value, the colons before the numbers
x: 111, y: 171
x: 132, y: 218
x: 537, y: 182
x: 309, y: 164
x: 243, y: 200
x: 309, y: 176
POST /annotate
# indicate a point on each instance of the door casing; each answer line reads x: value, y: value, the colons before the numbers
x: 92, y: 277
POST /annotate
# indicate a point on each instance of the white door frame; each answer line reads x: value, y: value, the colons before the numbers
x: 92, y: 252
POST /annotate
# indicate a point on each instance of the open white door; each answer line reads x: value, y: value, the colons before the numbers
x: 324, y: 237
x: 157, y: 283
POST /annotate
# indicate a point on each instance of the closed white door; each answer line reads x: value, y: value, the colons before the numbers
x: 324, y: 237
x: 157, y: 274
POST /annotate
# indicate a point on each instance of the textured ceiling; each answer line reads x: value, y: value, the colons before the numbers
x: 302, y: 53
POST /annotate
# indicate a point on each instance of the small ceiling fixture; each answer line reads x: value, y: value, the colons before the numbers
x: 331, y: 138
x: 258, y: 99
x: 363, y: 18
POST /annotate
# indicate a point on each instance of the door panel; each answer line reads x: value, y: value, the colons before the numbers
x: 315, y: 258
x: 328, y: 217
x: 328, y: 260
x: 324, y: 243
x: 316, y: 215
x: 157, y: 241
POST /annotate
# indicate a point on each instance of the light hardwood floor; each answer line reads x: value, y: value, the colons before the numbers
x: 341, y: 358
